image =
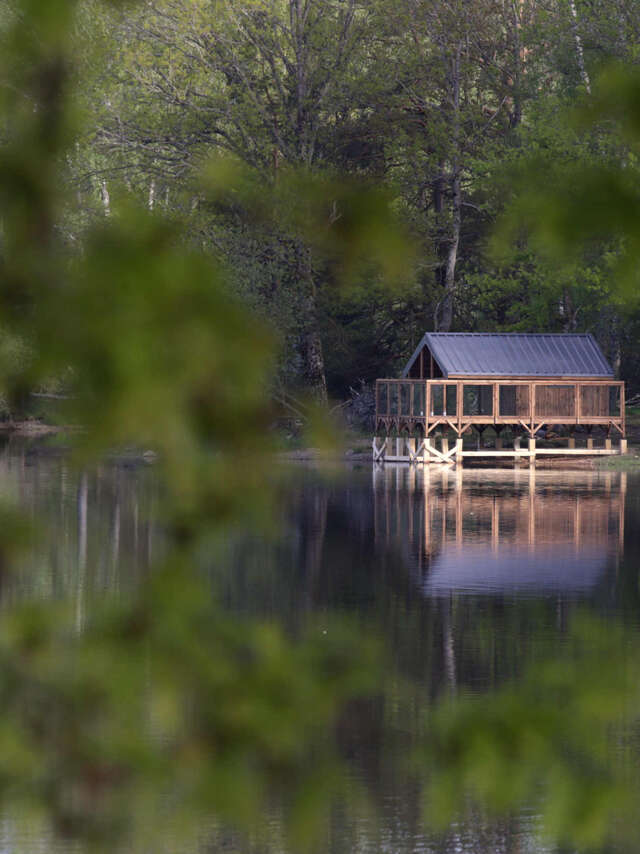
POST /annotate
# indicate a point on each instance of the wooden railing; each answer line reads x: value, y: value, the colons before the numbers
x: 528, y: 404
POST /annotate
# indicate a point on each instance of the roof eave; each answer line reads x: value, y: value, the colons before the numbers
x: 532, y: 377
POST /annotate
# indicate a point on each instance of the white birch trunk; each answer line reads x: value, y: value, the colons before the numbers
x: 106, y: 201
x: 584, y: 74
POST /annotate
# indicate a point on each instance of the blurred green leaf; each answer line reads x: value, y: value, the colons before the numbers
x: 544, y: 740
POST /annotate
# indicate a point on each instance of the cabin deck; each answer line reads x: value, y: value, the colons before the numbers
x: 410, y: 413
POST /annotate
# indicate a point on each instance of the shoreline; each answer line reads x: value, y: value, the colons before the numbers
x: 33, y: 428
x: 30, y: 429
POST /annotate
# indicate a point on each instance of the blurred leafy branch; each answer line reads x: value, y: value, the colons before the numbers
x: 165, y: 712
x: 565, y: 208
x: 556, y: 740
x: 160, y: 706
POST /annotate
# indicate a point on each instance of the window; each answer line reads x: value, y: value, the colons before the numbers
x: 418, y: 399
x: 393, y: 398
x: 514, y: 400
x: 594, y: 400
x: 444, y: 399
x: 477, y: 400
x: 405, y: 398
x: 614, y: 400
x: 383, y: 398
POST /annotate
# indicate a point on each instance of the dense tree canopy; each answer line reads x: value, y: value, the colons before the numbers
x: 443, y: 103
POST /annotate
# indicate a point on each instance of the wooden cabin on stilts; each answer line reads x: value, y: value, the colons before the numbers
x: 458, y: 384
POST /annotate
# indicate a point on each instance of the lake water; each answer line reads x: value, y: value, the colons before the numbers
x: 464, y: 577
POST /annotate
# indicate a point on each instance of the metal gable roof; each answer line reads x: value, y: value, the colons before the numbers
x: 514, y: 354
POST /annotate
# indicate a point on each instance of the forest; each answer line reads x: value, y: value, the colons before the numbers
x: 206, y: 206
x: 450, y: 110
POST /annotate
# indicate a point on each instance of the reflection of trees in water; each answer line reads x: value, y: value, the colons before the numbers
x: 348, y: 547
x: 368, y: 552
x: 95, y: 527
x: 390, y: 556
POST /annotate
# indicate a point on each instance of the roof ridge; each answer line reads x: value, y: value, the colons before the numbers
x: 520, y: 334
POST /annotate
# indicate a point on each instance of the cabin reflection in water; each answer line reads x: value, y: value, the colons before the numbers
x: 539, y: 533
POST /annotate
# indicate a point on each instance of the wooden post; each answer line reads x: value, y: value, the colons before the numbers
x: 623, y: 446
x: 445, y: 445
x: 607, y: 444
x: 427, y: 450
x: 498, y: 442
x: 572, y: 442
x: 379, y: 452
x: 590, y: 443
x: 399, y: 444
x: 411, y: 447
x: 532, y: 403
x: 459, y: 450
x: 532, y: 451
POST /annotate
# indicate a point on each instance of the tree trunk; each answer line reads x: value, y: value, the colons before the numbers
x: 443, y: 318
x: 445, y: 307
x: 616, y: 344
x: 438, y: 196
x: 515, y: 116
x: 584, y: 74
x: 106, y: 201
x: 312, y: 350
x: 569, y: 312
x: 314, y: 357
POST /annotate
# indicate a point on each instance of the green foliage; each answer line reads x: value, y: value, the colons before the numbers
x: 569, y: 209
x: 160, y: 706
x: 346, y: 220
x: 546, y: 739
x: 348, y: 88
x: 164, y: 707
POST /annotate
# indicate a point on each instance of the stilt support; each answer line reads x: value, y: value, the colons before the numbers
x: 532, y: 452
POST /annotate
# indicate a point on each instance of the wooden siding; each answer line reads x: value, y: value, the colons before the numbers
x: 557, y: 400
x: 409, y: 405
